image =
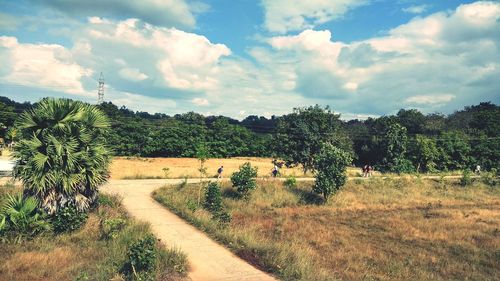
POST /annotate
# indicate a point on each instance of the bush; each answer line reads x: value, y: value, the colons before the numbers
x: 489, y: 178
x: 111, y: 227
x: 466, y: 178
x: 222, y: 217
x: 20, y: 218
x: 330, y: 165
x: 142, y: 254
x: 213, y: 198
x: 290, y: 182
x: 244, y: 179
x: 68, y: 219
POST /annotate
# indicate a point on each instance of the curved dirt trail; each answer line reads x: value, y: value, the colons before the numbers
x: 208, y: 260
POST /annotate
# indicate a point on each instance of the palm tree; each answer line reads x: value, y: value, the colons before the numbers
x: 61, y: 157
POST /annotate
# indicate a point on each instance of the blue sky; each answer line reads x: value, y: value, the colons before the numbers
x: 236, y: 58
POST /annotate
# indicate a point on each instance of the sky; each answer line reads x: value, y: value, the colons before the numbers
x: 254, y: 57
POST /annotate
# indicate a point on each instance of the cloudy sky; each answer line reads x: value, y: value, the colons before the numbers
x: 242, y: 57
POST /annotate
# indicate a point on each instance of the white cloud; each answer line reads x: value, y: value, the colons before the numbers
x: 168, y: 13
x: 132, y: 74
x: 282, y: 16
x: 441, y: 61
x: 47, y: 66
x: 432, y: 99
x: 170, y: 57
x: 448, y: 52
x: 200, y: 101
x: 416, y: 9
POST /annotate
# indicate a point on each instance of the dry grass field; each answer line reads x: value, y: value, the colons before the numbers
x: 393, y: 229
x: 147, y: 168
x: 83, y: 254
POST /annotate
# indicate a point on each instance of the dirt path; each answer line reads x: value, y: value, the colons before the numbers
x: 208, y: 260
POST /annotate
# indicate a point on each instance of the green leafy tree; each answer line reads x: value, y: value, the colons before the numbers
x: 330, y: 166
x: 300, y: 135
x: 423, y: 153
x: 244, y: 179
x: 454, y: 151
x: 395, y: 145
x: 61, y: 157
x: 202, y: 156
x: 412, y: 119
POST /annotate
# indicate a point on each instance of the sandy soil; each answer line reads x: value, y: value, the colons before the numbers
x: 208, y: 260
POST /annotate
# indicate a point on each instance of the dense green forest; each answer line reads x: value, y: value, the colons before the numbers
x: 406, y: 142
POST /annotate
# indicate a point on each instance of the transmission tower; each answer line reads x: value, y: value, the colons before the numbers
x: 100, y: 91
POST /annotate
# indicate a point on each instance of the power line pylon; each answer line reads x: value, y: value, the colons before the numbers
x: 100, y: 91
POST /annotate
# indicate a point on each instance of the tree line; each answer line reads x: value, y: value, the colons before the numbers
x: 408, y: 141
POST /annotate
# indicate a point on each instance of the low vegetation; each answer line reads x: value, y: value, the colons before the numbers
x: 383, y: 229
x: 101, y: 249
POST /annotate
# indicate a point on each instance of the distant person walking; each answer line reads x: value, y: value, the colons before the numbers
x: 219, y: 172
x: 275, y: 171
x: 365, y: 171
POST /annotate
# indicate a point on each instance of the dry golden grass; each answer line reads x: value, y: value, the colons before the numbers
x: 83, y: 254
x: 395, y: 229
x: 55, y: 264
x: 141, y: 168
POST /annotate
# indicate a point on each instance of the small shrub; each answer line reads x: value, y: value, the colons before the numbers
x: 466, y: 178
x: 244, y: 179
x: 213, y: 198
x: 191, y: 205
x: 166, y: 172
x: 290, y: 182
x: 111, y: 227
x: 142, y: 254
x: 68, y: 219
x: 110, y: 201
x: 222, y: 217
x: 20, y: 218
x: 489, y: 178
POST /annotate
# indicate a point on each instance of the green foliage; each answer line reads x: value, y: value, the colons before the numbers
x: 213, y: 198
x: 111, y: 227
x: 290, y: 182
x: 300, y: 135
x: 489, y: 178
x: 68, y: 219
x: 244, y: 179
x: 454, y: 151
x: 191, y: 205
x: 424, y: 153
x: 20, y: 218
x: 395, y: 146
x: 330, y: 166
x: 61, y: 157
x: 222, y: 217
x: 110, y: 201
x: 466, y: 178
x: 142, y: 254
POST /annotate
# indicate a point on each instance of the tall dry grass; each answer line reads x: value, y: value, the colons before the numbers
x: 393, y: 229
